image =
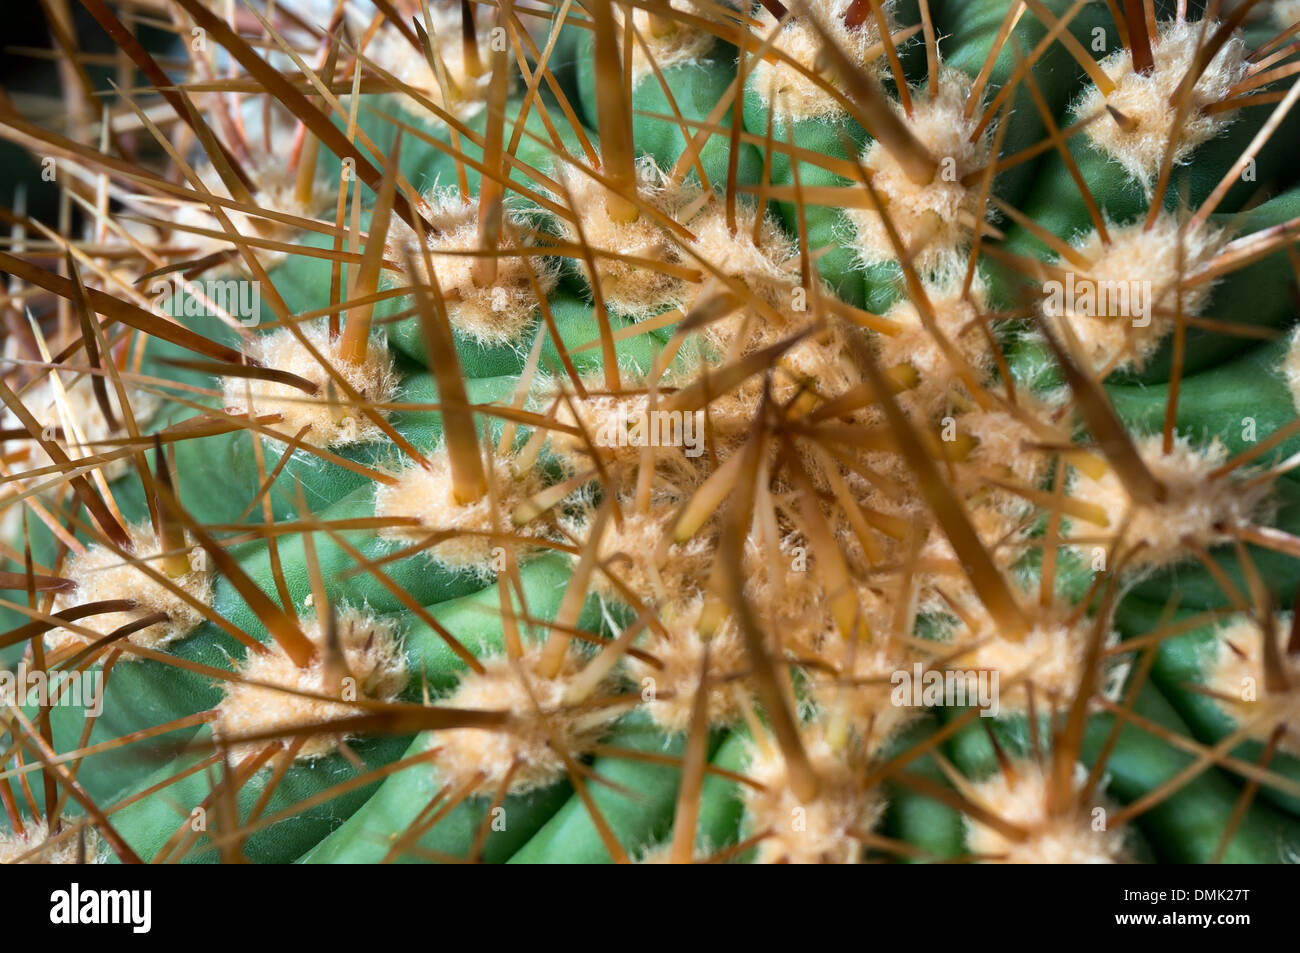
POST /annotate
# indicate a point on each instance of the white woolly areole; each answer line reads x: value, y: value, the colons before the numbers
x: 1003, y: 445
x: 101, y: 575
x: 934, y: 220
x: 674, y: 682
x: 480, y: 758
x: 1000, y: 530
x: 617, y: 425
x: 768, y: 269
x: 1286, y: 12
x: 958, y: 318
x: 773, y: 303
x: 635, y: 289
x: 332, y: 416
x: 821, y: 831
x: 1067, y: 839
x: 30, y: 846
x: 499, y: 313
x: 640, y: 555
x: 656, y: 855
x: 1291, y: 367
x: 795, y: 606
x: 1234, y: 669
x: 812, y: 366
x: 861, y: 693
x: 1126, y: 301
x: 1000, y: 517
x: 823, y: 361
x: 1053, y: 654
x: 1196, y: 507
x: 677, y: 44
x: 69, y: 404
x: 429, y: 496
x: 467, y: 94
x: 602, y: 416
x: 375, y: 671
x: 1146, y: 102
x: 731, y: 415
x: 789, y: 92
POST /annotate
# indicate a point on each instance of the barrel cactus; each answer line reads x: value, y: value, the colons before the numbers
x: 654, y: 431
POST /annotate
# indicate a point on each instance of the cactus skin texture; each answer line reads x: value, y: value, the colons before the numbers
x: 655, y: 432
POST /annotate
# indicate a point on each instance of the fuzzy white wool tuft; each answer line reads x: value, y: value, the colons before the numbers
x: 1147, y: 101
x: 1197, y: 506
x: 1125, y: 302
x: 334, y: 420
x: 1065, y: 839
x: 373, y: 669
x: 496, y: 314
x: 1234, y: 669
x: 1291, y: 367
x: 429, y: 496
x: 543, y: 724
x: 822, y: 830
x: 678, y: 44
x: 68, y: 403
x: 628, y: 287
x: 792, y: 94
x: 934, y: 220
x: 30, y: 846
x: 101, y: 575
x: 680, y: 657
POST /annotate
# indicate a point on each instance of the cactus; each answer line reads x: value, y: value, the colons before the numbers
x: 655, y: 431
